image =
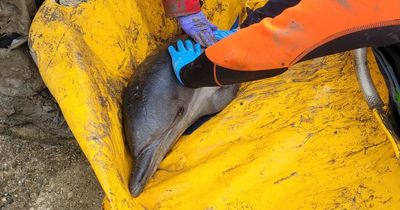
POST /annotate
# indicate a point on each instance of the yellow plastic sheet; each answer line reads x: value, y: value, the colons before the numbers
x: 302, y: 140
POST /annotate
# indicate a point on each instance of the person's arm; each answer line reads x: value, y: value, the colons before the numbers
x: 177, y: 8
x: 192, y: 20
x: 271, y: 9
x: 308, y: 30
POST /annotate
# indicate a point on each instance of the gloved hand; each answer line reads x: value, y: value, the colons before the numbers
x: 199, y: 28
x: 184, y: 55
x: 221, y: 34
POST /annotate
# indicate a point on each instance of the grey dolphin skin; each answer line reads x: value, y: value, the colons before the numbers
x: 157, y: 110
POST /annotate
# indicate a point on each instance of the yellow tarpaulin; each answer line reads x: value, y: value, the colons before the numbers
x: 302, y: 140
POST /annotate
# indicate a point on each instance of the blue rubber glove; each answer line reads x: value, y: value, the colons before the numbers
x: 183, y: 56
x: 199, y: 28
x: 221, y: 34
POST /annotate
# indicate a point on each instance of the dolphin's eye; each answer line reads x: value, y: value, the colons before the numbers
x: 181, y: 110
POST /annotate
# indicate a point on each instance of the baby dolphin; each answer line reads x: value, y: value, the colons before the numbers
x: 157, y: 110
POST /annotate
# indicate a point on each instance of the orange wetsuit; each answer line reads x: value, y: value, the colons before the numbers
x: 308, y: 29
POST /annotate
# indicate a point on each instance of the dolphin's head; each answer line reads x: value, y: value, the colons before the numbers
x: 156, y: 113
x: 157, y: 110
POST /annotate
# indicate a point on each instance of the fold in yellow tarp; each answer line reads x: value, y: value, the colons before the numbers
x: 302, y: 140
